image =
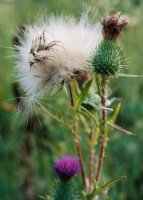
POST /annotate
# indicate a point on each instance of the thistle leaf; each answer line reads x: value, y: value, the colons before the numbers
x: 130, y: 75
x: 115, y: 114
x: 120, y: 129
x: 99, y: 189
x: 89, y: 114
x: 58, y: 118
x: 114, y: 117
x: 83, y: 95
x: 84, y: 122
x: 98, y: 84
x: 45, y: 198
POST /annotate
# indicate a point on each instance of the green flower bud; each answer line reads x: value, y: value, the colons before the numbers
x: 108, y: 59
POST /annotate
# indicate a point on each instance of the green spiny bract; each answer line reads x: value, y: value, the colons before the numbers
x: 64, y: 190
x: 108, y: 59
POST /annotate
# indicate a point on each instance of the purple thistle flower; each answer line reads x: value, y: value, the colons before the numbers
x: 67, y: 167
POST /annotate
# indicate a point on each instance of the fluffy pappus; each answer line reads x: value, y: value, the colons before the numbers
x: 56, y: 51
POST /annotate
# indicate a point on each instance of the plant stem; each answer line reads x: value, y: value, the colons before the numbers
x: 91, y: 153
x: 77, y: 140
x: 71, y: 96
x: 78, y: 148
x: 104, y: 140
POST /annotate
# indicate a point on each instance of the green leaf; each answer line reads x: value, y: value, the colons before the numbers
x: 84, y: 122
x: 115, y: 114
x: 75, y: 87
x: 130, y: 75
x: 59, y: 118
x: 96, y: 136
x: 65, y: 90
x: 45, y: 198
x: 114, y: 117
x: 120, y: 129
x: 99, y: 189
x: 49, y: 113
x: 98, y: 84
x: 83, y: 95
x: 90, y: 115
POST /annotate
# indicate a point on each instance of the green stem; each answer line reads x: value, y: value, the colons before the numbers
x: 91, y: 153
x: 78, y: 148
x: 77, y: 140
x: 104, y: 140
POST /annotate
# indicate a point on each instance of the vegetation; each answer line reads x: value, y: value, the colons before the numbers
x: 27, y: 153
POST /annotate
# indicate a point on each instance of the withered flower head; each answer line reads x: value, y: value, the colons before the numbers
x: 113, y: 24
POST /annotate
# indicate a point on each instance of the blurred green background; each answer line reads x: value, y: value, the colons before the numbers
x: 26, y: 156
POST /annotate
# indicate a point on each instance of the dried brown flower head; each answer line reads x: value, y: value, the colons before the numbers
x: 113, y: 24
x: 81, y: 76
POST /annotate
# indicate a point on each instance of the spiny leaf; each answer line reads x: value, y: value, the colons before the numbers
x: 83, y: 95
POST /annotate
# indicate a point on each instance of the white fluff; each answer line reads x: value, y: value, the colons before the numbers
x: 72, y: 44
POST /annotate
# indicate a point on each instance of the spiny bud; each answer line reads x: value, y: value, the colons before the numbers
x: 108, y: 59
x: 113, y: 24
x: 66, y: 168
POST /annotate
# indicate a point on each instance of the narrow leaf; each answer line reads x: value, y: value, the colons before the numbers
x: 98, y: 84
x: 58, y: 118
x: 130, y: 75
x: 84, y: 122
x: 120, y: 129
x: 110, y: 184
x: 115, y: 114
x: 99, y: 189
x: 96, y: 135
x: 83, y: 95
x: 89, y: 114
x: 76, y: 87
x: 50, y: 114
x: 114, y: 117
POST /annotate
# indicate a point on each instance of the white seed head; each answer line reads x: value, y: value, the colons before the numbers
x: 53, y: 52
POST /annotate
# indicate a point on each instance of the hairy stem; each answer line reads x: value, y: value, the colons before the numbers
x: 77, y: 140
x: 104, y: 139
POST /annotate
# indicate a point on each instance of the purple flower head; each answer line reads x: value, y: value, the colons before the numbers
x: 67, y: 167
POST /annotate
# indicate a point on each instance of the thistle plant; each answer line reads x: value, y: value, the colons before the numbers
x: 78, y: 58
x: 108, y: 61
